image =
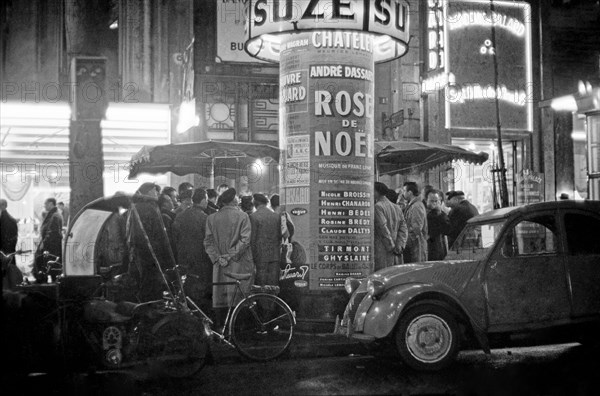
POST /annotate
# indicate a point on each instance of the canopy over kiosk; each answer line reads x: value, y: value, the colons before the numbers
x: 209, y: 158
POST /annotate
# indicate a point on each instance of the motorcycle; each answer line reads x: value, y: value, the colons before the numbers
x: 163, y: 335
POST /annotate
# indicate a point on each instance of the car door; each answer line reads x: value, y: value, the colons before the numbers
x: 525, y: 278
x: 583, y: 260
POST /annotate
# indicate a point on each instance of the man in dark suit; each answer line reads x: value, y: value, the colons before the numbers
x: 50, y: 237
x: 189, y: 230
x: 461, y: 211
x: 9, y: 230
x: 265, y: 242
x: 211, y: 206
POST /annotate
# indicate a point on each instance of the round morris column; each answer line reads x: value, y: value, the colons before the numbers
x: 327, y: 51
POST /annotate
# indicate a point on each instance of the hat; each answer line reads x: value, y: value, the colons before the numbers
x: 228, y: 195
x: 275, y: 200
x: 381, y: 188
x: 452, y: 194
x: 147, y: 187
x: 260, y: 199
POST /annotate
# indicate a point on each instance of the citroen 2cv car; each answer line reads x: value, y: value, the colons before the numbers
x: 511, y: 271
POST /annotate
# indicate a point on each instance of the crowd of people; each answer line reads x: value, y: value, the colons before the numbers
x: 208, y: 233
x: 414, y: 226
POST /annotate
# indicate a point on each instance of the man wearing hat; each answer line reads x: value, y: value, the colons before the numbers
x: 461, y: 211
x: 227, y: 243
x: 390, y: 230
x: 266, y: 241
x: 189, y: 231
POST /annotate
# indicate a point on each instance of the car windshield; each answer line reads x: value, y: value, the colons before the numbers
x: 475, y: 241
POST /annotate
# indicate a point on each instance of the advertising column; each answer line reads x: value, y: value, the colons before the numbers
x: 327, y: 51
x: 326, y: 110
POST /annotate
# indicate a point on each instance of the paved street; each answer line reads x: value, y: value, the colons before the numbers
x: 551, y: 370
x: 566, y: 369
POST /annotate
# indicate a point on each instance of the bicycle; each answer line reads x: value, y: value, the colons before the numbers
x: 260, y: 326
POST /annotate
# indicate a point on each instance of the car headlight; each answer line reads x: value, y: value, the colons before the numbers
x: 351, y: 284
x: 375, y: 287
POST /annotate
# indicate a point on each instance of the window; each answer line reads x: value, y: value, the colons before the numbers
x: 533, y: 236
x: 582, y: 233
x: 475, y: 241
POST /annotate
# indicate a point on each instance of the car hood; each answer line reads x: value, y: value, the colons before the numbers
x: 453, y: 274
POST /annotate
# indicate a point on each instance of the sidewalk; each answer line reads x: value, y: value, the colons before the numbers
x: 304, y: 345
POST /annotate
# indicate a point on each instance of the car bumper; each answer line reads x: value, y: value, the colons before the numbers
x: 346, y: 329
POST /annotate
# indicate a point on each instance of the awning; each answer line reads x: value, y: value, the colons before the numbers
x: 209, y: 158
x: 410, y: 157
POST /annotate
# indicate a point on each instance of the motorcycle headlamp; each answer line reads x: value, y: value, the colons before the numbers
x: 375, y: 288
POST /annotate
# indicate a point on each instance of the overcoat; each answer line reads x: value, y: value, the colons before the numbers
x: 266, y: 245
x: 416, y: 221
x: 390, y: 233
x: 189, y: 231
x: 228, y: 234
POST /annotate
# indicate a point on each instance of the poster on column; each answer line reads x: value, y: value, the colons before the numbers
x: 326, y: 112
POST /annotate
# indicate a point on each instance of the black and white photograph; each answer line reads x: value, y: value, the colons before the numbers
x: 300, y: 197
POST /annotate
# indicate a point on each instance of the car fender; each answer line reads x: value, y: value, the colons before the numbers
x: 384, y: 312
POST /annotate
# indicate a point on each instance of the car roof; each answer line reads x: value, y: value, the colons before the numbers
x: 514, y: 211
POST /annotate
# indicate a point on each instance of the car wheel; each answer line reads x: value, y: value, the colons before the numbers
x: 427, y: 337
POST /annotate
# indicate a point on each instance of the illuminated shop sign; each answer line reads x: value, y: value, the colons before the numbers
x: 339, y: 24
x: 435, y: 35
x: 470, y: 93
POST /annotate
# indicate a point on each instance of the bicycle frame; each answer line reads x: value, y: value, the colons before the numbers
x: 221, y: 335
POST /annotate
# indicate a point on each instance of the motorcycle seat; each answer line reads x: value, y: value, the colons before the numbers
x: 125, y: 308
x: 104, y: 311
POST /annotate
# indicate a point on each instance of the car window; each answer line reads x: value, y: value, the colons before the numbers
x: 475, y: 241
x: 534, y: 236
x: 582, y: 233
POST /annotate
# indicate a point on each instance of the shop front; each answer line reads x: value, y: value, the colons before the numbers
x: 480, y: 183
x: 477, y: 78
x: 35, y: 152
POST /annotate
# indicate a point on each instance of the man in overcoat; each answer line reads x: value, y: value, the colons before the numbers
x: 9, y: 230
x: 265, y: 241
x: 50, y: 236
x: 149, y: 245
x: 390, y: 230
x: 461, y: 211
x: 416, y: 221
x: 189, y: 231
x: 227, y: 242
x: 438, y: 226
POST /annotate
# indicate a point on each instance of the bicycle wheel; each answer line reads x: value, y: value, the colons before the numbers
x: 262, y: 327
x: 181, y: 348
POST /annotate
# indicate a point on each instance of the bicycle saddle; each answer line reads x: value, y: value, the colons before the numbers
x: 240, y: 277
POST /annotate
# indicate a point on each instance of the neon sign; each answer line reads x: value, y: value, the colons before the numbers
x: 480, y: 18
x: 469, y: 58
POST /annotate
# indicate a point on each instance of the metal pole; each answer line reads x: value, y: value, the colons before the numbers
x: 503, y: 184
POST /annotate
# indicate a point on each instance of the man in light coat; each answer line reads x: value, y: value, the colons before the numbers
x: 227, y: 242
x: 266, y: 241
x: 416, y: 221
x: 390, y: 230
